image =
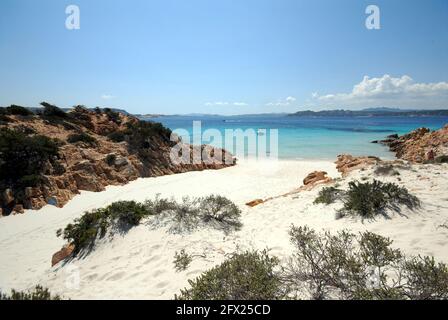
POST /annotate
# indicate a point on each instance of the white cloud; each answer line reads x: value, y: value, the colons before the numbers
x: 223, y: 103
x: 107, y: 97
x: 282, y: 102
x: 388, y: 91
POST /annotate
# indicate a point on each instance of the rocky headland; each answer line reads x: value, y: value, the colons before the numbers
x: 420, y: 146
x: 50, y: 156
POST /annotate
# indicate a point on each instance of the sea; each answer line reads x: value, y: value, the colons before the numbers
x: 301, y: 138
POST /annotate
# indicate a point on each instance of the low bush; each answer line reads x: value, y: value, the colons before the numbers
x: 368, y: 199
x: 441, y: 159
x: 220, y: 211
x: 128, y: 212
x: 82, y: 137
x: 245, y: 276
x: 52, y: 111
x: 18, y: 110
x: 110, y: 159
x: 84, y: 231
x: 213, y: 211
x: 159, y: 205
x: 386, y: 170
x: 138, y: 135
x: 364, y: 266
x: 38, y: 293
x: 112, y: 115
x: 328, y: 195
x: 372, y: 198
x: 182, y: 260
x: 183, y: 216
x: 22, y: 155
x: 117, y: 136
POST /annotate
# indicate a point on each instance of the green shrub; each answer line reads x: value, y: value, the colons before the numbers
x: 372, y: 198
x: 220, y: 211
x: 52, y: 111
x: 441, y: 159
x: 368, y: 199
x: 112, y: 115
x: 328, y: 195
x: 82, y: 137
x: 364, y: 266
x: 84, y: 231
x: 32, y: 180
x: 159, y: 205
x: 183, y: 216
x: 22, y: 155
x: 139, y: 134
x: 386, y: 170
x: 128, y: 212
x: 117, y: 136
x: 246, y: 276
x: 38, y: 293
x: 18, y: 110
x: 182, y: 260
x: 110, y: 159
x: 426, y: 279
x: 213, y: 211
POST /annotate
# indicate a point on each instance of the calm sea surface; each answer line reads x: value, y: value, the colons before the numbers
x: 307, y: 137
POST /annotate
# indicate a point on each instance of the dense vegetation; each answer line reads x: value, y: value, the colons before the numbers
x: 139, y: 134
x: 82, y: 137
x: 214, y: 211
x: 38, y: 293
x: 52, y: 111
x: 23, y: 157
x: 245, y: 276
x: 325, y: 266
x: 369, y: 199
x: 364, y: 266
x: 16, y: 110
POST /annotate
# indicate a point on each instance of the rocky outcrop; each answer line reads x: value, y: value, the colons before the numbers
x: 62, y: 254
x: 315, y: 178
x: 93, y: 166
x: 346, y: 163
x: 255, y: 203
x: 420, y: 146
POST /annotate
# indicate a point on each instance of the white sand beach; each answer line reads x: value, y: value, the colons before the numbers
x: 139, y: 264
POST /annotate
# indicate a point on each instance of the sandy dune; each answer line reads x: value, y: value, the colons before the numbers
x: 139, y: 263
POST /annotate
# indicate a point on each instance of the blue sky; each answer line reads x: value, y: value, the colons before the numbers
x: 223, y: 56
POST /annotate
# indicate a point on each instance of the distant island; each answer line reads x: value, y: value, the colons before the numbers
x: 371, y: 112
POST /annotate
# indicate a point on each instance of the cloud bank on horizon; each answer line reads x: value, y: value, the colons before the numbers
x: 387, y: 91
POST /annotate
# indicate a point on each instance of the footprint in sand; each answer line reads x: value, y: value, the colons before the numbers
x: 116, y: 276
x: 158, y: 273
x: 162, y: 285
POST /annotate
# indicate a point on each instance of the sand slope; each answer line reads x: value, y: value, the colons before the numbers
x: 139, y: 263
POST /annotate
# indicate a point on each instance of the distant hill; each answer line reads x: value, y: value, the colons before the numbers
x: 373, y: 112
x: 37, y: 109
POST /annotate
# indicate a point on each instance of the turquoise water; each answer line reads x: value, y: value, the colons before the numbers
x: 311, y: 138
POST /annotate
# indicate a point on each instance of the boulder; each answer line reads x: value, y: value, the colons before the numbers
x: 315, y: 177
x: 347, y: 163
x: 18, y: 208
x: 62, y: 254
x: 255, y: 203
